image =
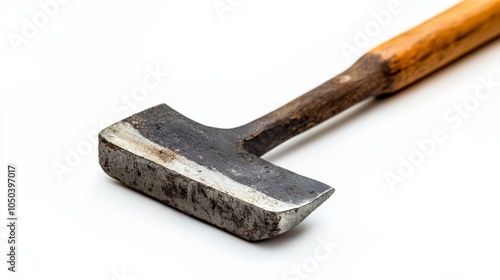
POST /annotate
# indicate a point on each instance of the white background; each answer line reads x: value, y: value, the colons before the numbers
x: 442, y: 222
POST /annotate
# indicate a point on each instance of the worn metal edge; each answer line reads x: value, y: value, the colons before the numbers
x: 286, y: 215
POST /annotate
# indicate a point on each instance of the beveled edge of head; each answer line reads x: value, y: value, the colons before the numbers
x: 205, y: 193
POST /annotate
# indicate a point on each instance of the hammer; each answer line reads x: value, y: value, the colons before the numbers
x: 217, y: 175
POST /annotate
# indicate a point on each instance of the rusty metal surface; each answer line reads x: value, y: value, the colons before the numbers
x: 217, y: 181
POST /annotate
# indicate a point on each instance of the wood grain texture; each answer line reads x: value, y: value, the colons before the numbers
x: 439, y: 41
x: 362, y: 80
x: 384, y: 70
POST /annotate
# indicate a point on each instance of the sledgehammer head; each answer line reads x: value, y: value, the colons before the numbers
x: 207, y: 173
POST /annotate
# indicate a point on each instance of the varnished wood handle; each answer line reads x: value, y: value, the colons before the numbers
x: 439, y: 41
x: 384, y: 70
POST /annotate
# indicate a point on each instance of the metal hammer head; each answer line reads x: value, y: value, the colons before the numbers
x: 208, y: 173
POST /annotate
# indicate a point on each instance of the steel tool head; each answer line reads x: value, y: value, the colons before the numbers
x: 208, y: 173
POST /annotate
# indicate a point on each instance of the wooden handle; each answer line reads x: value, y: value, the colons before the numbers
x: 439, y: 41
x: 384, y: 70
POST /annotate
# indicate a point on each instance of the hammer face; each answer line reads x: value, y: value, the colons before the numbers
x: 206, y: 173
